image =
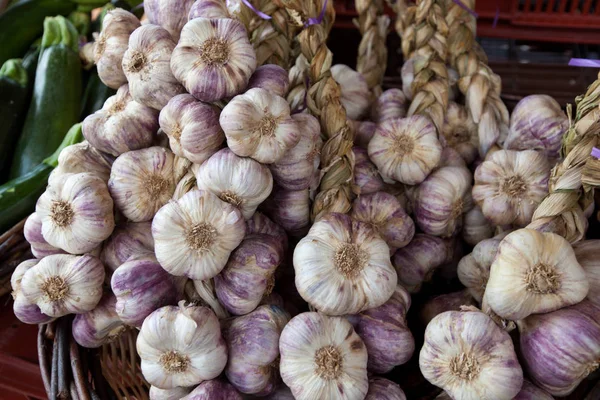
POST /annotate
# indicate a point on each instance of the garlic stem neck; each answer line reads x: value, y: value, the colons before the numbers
x: 457, y: 209
x: 116, y: 332
x: 116, y: 107
x: 270, y: 285
x: 55, y: 288
x: 328, y: 362
x: 231, y: 198
x: 201, y: 236
x: 465, y: 366
x: 350, y: 259
x: 403, y: 145
x: 138, y: 62
x: 214, y: 51
x: 592, y: 367
x: 61, y: 213
x: 542, y: 279
x: 174, y: 362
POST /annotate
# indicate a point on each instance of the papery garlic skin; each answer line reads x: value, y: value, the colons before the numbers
x: 215, y: 389
x: 64, y: 284
x: 442, y: 199
x: 323, y: 358
x: 82, y: 157
x: 474, y: 269
x: 346, y: 257
x: 470, y: 357
x: 510, y: 185
x: 209, y: 9
x: 172, y: 15
x: 476, y: 227
x: 390, y: 104
x: 363, y: 132
x: 586, y: 253
x: 406, y: 149
x: 253, y: 344
x: 537, y: 123
x: 355, y: 94
x: 366, y: 177
x: 176, y: 393
x: 416, y: 262
x: 194, y: 235
x: 181, y: 346
x: 272, y: 78
x: 128, y: 239
x: 76, y: 213
x: 561, y: 348
x: 146, y: 64
x: 407, y: 73
x: 32, y: 231
x: 99, y: 326
x: 26, y: 311
x: 534, y: 273
x: 385, y: 333
x: 383, y: 389
x: 214, y: 58
x: 290, y: 209
x: 451, y: 158
x: 111, y: 44
x: 121, y: 125
x: 242, y: 182
x: 445, y: 302
x: 531, y: 392
x: 460, y: 132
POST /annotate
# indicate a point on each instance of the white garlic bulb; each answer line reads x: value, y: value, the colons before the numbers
x: 241, y: 182
x: 476, y: 227
x: 355, y: 94
x: 170, y: 14
x: 587, y: 252
x: 181, y: 346
x: 390, y: 104
x: 533, y: 273
x: 76, y: 213
x: 323, y: 358
x: 64, y: 284
x: 33, y: 234
x: 194, y: 235
x: 366, y: 177
x: 177, y: 393
x: 290, y: 209
x: 460, y: 133
x: 258, y: 124
x: 346, y: 257
x: 26, y: 311
x: 210, y: 9
x: 99, y: 326
x: 82, y: 157
x: 406, y: 149
x: 271, y: 77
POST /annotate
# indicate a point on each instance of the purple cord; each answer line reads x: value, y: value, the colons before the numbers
x: 496, y: 17
x: 584, y: 62
x: 596, y: 152
x: 319, y: 19
x: 464, y: 7
x: 256, y: 11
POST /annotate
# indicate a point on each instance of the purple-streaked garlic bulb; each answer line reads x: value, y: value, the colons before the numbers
x: 474, y: 268
x: 363, y: 132
x: 192, y: 127
x: 76, y: 213
x: 587, y: 252
x: 128, y: 239
x: 249, y: 273
x: 385, y: 333
x: 176, y: 393
x: 99, y: 326
x: 445, y: 302
x: 111, y: 44
x: 470, y: 357
x: 253, y: 344
x: 239, y: 181
x: 32, y: 231
x: 416, y: 262
x: 121, y: 125
x: 531, y: 392
x: 323, y: 358
x: 82, y: 157
x: 383, y: 389
x: 260, y: 223
x: 214, y: 389
x: 347, y: 258
x: 181, y: 346
x: 390, y: 104
x: 510, y: 185
x: 272, y: 78
x: 441, y: 201
x: 26, y: 311
x: 355, y: 94
x: 537, y: 123
x: 476, y: 227
x: 366, y: 177
x: 214, y: 58
x: 282, y: 393
x: 460, y: 133
x: 172, y: 15
x: 561, y: 348
x: 405, y: 150
x: 194, y: 235
x: 211, y: 9
x: 290, y: 209
x: 533, y: 273
x: 64, y: 284
x: 451, y: 158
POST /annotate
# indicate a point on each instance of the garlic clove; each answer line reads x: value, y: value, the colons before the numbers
x: 33, y: 234
x: 416, y: 262
x: 26, y: 311
x: 176, y: 393
x: 390, y: 104
x: 470, y: 357
x: 366, y: 177
x: 241, y: 182
x: 586, y: 253
x: 459, y: 132
x: 346, y: 257
x: 476, y: 227
x: 205, y: 291
x: 129, y: 239
x: 355, y: 94
x: 214, y: 390
x: 99, y: 326
x: 383, y: 389
x: 214, y: 58
x: 474, y: 269
x: 406, y: 149
x: 211, y: 9
x: 82, y: 157
x: 185, y: 185
x: 272, y: 78
x: 64, y: 284
x: 194, y: 235
x: 146, y: 64
x: 172, y: 15
x: 534, y: 273
x: 445, y: 302
x: 290, y: 209
x: 76, y: 213
x: 323, y: 358
x: 181, y: 346
x: 260, y: 223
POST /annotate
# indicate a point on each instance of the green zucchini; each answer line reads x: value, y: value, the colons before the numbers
x: 82, y: 21
x: 56, y: 102
x: 95, y: 95
x: 30, y: 61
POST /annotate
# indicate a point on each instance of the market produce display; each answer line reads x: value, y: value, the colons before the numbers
x: 216, y: 207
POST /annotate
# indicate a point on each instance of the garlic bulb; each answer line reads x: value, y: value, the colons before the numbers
x: 111, y: 44
x: 355, y: 94
x: 146, y: 64
x: 537, y: 123
x: 363, y: 132
x: 442, y: 199
x: 128, y: 239
x: 176, y: 393
x: 82, y: 157
x: 249, y: 273
x: 253, y: 344
x: 192, y: 127
x: 121, y: 125
x: 533, y: 273
x: 212, y: 9
x: 181, y: 346
x: 416, y: 262
x: 451, y: 158
x: 172, y: 15
x: 474, y: 268
x: 64, y: 284
x: 26, y: 311
x: 406, y: 149
x: 258, y: 124
x: 272, y: 78
x: 214, y: 58
x: 282, y: 393
x: 390, y: 104
x: 383, y: 389
x: 460, y: 132
x: 510, y: 185
x: 241, y: 182
x: 531, y: 392
x: 194, y: 235
x: 142, y: 181
x: 445, y: 302
x: 76, y: 213
x: 561, y: 348
x: 185, y: 185
x: 99, y: 326
x: 290, y: 209
x: 586, y: 253
x: 260, y: 223
x: 385, y: 333
x: 476, y: 227
x: 470, y: 357
x: 323, y: 358
x: 214, y: 390
x: 33, y: 234
x: 346, y: 257
x: 366, y: 177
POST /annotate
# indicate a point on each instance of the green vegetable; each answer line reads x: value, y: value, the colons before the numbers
x: 82, y: 21
x: 30, y: 61
x: 56, y: 102
x: 95, y: 95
